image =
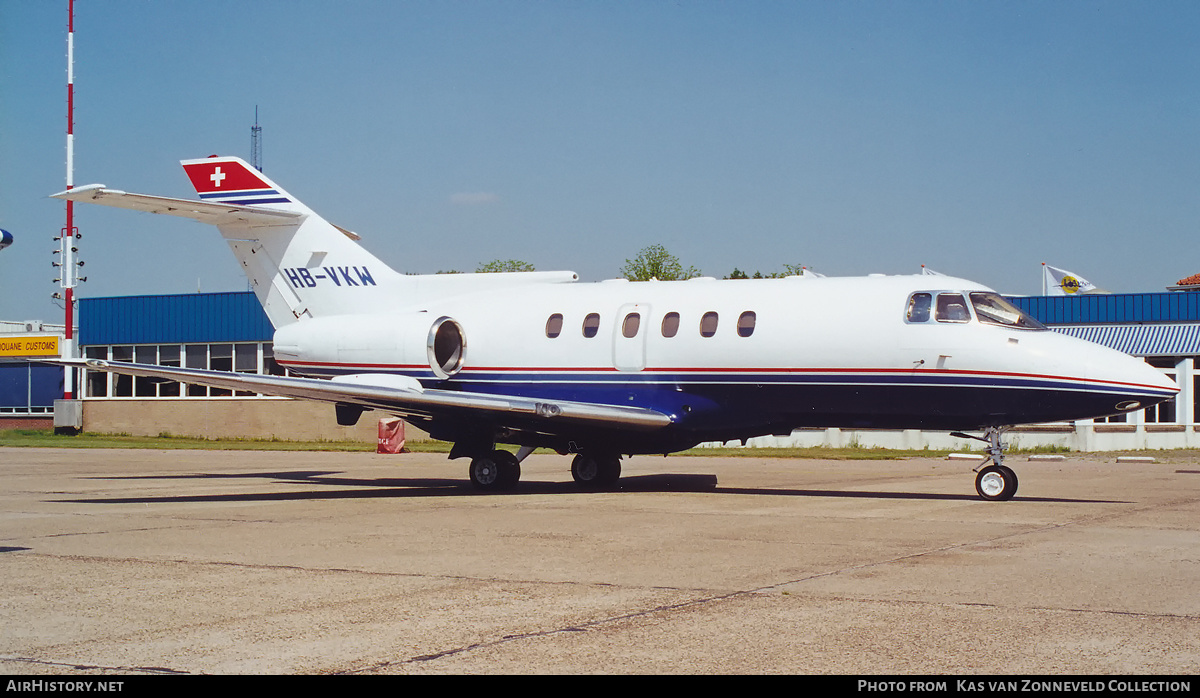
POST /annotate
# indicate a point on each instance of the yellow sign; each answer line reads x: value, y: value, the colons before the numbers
x: 29, y: 346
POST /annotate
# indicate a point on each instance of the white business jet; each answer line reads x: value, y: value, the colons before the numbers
x: 608, y: 369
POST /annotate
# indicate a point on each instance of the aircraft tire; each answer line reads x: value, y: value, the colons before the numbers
x: 1011, y: 473
x: 596, y: 472
x: 496, y: 471
x: 996, y: 483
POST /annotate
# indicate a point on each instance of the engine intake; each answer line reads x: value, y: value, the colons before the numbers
x: 371, y: 342
x: 447, y: 347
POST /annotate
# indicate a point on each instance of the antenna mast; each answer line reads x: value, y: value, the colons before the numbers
x: 256, y: 143
x: 66, y: 250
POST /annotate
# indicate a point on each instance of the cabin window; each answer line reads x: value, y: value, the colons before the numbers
x: 629, y: 328
x: 554, y: 325
x: 918, y: 307
x: 990, y: 308
x: 591, y: 324
x: 708, y: 324
x: 745, y: 325
x: 952, y: 307
x: 670, y: 324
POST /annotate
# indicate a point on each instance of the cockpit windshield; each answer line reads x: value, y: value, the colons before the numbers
x: 991, y: 309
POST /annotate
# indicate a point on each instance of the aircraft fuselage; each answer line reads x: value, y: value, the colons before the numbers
x: 736, y: 359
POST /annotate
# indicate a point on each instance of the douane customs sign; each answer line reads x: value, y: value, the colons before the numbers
x: 46, y: 345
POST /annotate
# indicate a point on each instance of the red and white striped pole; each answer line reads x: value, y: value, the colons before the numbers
x: 67, y: 239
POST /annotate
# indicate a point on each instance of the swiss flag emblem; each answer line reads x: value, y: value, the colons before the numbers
x: 223, y: 175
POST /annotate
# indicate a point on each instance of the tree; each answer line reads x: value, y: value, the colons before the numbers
x: 502, y: 265
x: 654, y: 262
x: 788, y: 270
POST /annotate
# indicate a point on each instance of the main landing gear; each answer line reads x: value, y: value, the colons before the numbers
x: 596, y: 471
x: 495, y: 471
x: 500, y: 470
x: 996, y: 482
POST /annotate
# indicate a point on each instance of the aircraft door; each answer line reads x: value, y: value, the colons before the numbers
x: 629, y: 337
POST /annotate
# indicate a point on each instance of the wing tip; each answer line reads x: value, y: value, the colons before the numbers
x: 80, y: 192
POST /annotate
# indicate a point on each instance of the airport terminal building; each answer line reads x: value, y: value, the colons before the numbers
x: 28, y: 390
x: 230, y: 332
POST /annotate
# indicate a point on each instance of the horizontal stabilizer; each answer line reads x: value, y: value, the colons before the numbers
x: 204, y: 211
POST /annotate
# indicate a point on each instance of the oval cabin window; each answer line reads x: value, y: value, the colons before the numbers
x: 554, y: 325
x: 630, y: 326
x: 591, y: 324
x: 670, y: 324
x: 708, y: 324
x: 746, y: 324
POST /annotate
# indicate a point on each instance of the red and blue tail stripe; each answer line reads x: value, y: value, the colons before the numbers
x: 232, y: 181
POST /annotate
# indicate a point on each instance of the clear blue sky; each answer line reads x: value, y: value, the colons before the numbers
x: 979, y: 138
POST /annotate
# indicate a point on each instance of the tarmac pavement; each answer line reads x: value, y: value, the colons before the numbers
x: 238, y: 562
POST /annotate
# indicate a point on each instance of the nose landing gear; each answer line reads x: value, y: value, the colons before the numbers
x: 996, y: 482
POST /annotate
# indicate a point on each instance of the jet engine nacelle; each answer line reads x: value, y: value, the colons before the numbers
x: 369, y: 342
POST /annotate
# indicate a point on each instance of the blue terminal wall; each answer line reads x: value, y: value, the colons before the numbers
x: 1112, y: 308
x: 175, y: 319
x: 24, y: 386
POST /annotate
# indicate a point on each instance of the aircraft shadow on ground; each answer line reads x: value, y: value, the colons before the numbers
x: 378, y: 488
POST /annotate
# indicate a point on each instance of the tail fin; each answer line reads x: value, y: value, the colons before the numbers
x: 230, y: 180
x: 298, y: 264
x: 299, y: 267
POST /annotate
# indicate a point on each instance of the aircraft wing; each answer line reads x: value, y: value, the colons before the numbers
x: 398, y: 395
x: 203, y: 211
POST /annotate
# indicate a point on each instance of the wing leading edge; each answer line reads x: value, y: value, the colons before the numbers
x: 396, y: 395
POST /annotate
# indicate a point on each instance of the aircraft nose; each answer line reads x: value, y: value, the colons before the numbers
x: 1134, y: 380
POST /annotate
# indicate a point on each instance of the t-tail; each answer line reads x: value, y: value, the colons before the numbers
x: 299, y: 266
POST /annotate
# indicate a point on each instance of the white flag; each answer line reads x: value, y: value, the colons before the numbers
x: 1060, y: 282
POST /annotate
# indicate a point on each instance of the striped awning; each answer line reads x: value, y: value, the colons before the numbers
x: 1169, y: 339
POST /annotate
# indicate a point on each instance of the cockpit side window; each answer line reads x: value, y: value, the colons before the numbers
x: 991, y: 309
x: 918, y: 307
x: 952, y: 307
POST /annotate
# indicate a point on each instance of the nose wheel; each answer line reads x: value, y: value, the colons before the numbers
x: 996, y: 482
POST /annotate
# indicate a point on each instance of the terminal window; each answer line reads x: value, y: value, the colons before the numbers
x: 239, y: 357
